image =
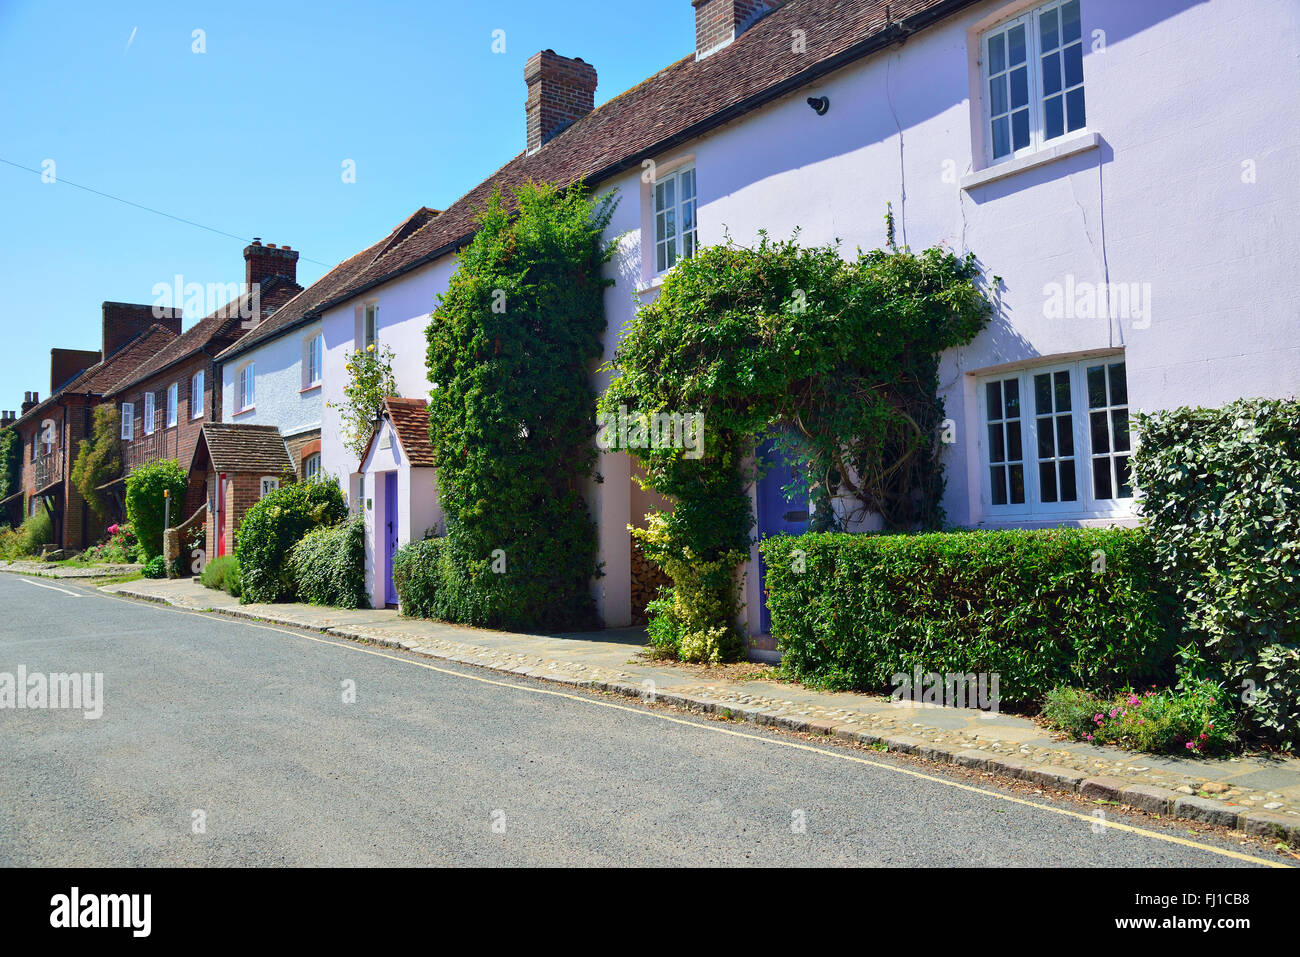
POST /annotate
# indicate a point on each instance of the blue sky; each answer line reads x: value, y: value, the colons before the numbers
x: 249, y: 137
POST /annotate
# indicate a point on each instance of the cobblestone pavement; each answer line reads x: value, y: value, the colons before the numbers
x: 50, y: 570
x: 1257, y: 794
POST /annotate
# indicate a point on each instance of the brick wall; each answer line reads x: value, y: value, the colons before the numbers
x: 300, y: 446
x: 242, y: 490
x: 717, y: 21
x: 560, y: 90
x: 178, y: 441
x: 123, y: 321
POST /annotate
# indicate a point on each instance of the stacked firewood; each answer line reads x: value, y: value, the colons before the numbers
x: 646, y: 579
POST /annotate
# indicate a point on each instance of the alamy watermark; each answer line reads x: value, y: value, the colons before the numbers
x: 37, y: 691
x: 1096, y: 300
x: 953, y: 690
x: 658, y: 430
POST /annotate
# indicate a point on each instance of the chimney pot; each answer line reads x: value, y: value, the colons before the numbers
x: 263, y: 262
x: 561, y: 90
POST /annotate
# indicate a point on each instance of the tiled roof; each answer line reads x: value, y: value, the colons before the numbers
x: 218, y: 330
x: 104, y: 376
x: 244, y: 448
x: 305, y: 305
x: 674, y: 106
x: 410, y: 418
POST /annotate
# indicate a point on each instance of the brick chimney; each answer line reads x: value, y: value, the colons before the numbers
x: 718, y: 22
x: 263, y: 262
x: 66, y: 363
x: 123, y: 321
x: 30, y: 401
x: 560, y: 90
x: 7, y: 418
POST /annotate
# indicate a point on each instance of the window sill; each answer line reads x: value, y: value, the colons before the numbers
x: 310, y: 388
x: 245, y: 410
x: 1077, y: 143
x: 654, y: 282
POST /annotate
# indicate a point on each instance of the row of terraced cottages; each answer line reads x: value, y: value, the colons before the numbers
x: 1139, y: 206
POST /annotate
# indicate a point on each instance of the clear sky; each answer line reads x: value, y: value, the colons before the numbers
x: 250, y: 136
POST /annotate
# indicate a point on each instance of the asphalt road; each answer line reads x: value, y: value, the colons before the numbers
x: 244, y: 729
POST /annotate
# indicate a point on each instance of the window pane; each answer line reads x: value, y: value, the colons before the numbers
x: 670, y: 194
x: 1096, y: 387
x: 997, y: 54
x: 1121, y: 470
x: 1119, y: 429
x: 998, y: 484
x: 659, y: 197
x: 688, y: 217
x: 1070, y: 27
x: 688, y: 185
x: 1064, y: 435
x: 998, y: 95
x: 1017, y: 478
x: 1016, y: 44
x: 1101, y: 477
x: 1054, y: 117
x: 1074, y: 107
x: 1074, y: 65
x: 1118, y: 384
x: 1011, y: 390
x: 1062, y: 391
x: 1001, y: 137
x: 670, y: 224
x: 993, y: 393
x: 1069, y: 485
x: 688, y: 243
x: 1043, y: 394
x: 1020, y: 129
x: 661, y: 260
x: 1051, y: 74
x: 1100, y: 434
x: 1019, y: 87
x: 997, y: 445
x: 1046, y: 448
x: 1047, y: 481
x: 1048, y: 31
x: 1014, y: 450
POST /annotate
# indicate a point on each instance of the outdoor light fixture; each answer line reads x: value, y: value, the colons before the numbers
x: 820, y: 104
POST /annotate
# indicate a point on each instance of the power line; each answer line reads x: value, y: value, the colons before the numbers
x: 147, y: 209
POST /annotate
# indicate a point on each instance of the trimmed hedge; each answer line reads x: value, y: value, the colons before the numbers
x: 1221, y: 495
x: 329, y: 566
x: 273, y: 526
x: 222, y: 574
x: 1026, y: 605
x: 430, y: 584
x: 145, y: 504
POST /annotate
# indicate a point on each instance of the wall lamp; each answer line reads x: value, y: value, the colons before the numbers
x: 820, y: 104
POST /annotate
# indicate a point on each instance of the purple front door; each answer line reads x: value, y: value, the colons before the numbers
x: 390, y: 535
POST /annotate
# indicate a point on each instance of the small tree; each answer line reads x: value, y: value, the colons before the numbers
x: 370, y: 381
x: 145, y: 502
x: 99, y: 459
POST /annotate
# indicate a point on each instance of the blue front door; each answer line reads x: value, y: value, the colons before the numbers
x: 776, y: 512
x: 390, y: 535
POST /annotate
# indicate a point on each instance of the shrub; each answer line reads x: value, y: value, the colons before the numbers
x: 11, y: 462
x: 329, y: 566
x: 270, y: 529
x: 155, y: 567
x: 145, y: 503
x: 1082, y: 607
x: 26, y: 540
x: 216, y: 573
x: 1195, y: 718
x: 1221, y: 495
x: 99, y: 458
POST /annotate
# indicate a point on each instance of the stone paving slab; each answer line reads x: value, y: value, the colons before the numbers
x: 50, y: 570
x: 1260, y: 794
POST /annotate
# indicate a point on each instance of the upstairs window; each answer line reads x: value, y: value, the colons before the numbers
x: 1032, y: 72
x: 149, y: 399
x: 244, y: 388
x: 311, y: 467
x: 196, y: 395
x: 312, y: 351
x: 675, y: 203
x: 269, y: 485
x: 1056, y: 440
x: 370, y: 325
x: 173, y: 395
x: 128, y: 421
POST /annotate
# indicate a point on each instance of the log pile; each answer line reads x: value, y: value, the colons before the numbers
x: 647, y: 577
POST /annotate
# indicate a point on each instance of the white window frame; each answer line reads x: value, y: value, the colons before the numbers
x: 150, y: 412
x: 310, y: 474
x: 268, y: 485
x: 1038, y: 139
x: 313, y: 361
x: 128, y: 421
x: 1087, y: 505
x: 673, y: 178
x: 245, y: 387
x: 173, y: 399
x: 196, y: 395
x: 369, y: 325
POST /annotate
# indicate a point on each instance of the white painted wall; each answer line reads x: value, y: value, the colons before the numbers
x: 279, y: 398
x: 1183, y: 97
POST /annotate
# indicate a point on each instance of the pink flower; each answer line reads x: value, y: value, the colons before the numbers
x: 1133, y: 699
x: 1190, y: 745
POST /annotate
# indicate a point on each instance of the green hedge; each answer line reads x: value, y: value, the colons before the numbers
x: 430, y: 583
x: 222, y: 574
x: 273, y: 526
x: 1026, y: 605
x: 329, y: 566
x: 26, y: 540
x: 1221, y: 495
x: 145, y: 504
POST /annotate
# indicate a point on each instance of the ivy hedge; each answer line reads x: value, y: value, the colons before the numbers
x: 271, y: 528
x: 329, y: 566
x: 146, y: 504
x: 1221, y: 495
x: 512, y: 344
x: 1079, y: 607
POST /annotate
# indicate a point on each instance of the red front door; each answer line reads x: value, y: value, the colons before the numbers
x: 221, y: 515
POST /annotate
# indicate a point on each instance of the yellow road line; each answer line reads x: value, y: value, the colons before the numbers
x: 708, y: 726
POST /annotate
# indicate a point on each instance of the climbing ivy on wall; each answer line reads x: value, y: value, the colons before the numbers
x: 837, y: 356
x: 512, y: 347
